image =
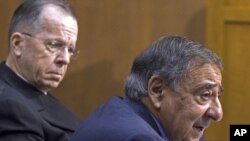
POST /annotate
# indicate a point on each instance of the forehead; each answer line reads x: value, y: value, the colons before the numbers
x: 53, y: 19
x: 201, y: 75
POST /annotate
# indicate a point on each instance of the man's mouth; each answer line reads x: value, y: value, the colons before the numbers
x: 199, y: 128
x: 56, y: 76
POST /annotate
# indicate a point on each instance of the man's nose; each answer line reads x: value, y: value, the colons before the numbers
x: 215, y: 111
x: 64, y: 56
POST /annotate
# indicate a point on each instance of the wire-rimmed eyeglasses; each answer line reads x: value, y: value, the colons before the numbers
x: 53, y: 46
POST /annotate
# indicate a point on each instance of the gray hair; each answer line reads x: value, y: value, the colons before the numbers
x: 169, y: 58
x: 28, y: 12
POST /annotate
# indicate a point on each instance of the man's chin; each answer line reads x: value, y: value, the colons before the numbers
x: 51, y: 84
x: 193, y: 137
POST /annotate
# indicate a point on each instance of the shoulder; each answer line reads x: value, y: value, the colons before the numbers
x: 128, y: 131
x: 14, y: 104
x: 16, y: 114
x: 11, y: 100
x: 115, y: 120
x: 8, y: 93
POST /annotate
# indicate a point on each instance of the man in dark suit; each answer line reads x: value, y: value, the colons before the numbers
x: 42, y: 38
x: 172, y: 93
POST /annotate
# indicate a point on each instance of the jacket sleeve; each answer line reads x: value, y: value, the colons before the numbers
x: 18, y: 122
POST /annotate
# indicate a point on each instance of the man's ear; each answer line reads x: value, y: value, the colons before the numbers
x: 156, y: 90
x: 17, y: 43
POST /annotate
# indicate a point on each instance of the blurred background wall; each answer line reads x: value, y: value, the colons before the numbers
x: 113, y: 32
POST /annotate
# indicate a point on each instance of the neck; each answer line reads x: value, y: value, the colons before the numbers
x: 13, y: 65
x: 147, y: 103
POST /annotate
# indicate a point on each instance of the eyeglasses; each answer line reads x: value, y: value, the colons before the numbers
x: 56, y: 45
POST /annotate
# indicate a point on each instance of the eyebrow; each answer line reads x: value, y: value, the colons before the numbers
x: 207, y: 86
x: 61, y: 41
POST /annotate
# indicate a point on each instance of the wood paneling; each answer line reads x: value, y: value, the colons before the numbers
x: 237, y: 2
x: 228, y: 32
x: 112, y: 33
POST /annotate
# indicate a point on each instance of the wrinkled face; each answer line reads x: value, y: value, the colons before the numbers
x: 188, y: 111
x: 36, y: 63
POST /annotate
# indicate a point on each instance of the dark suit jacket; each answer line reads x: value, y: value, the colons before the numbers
x: 119, y: 120
x: 26, y: 114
